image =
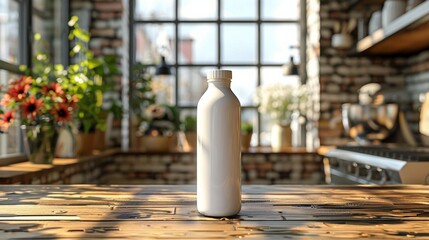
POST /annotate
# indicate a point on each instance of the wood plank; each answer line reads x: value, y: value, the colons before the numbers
x: 169, y: 212
x: 214, y: 230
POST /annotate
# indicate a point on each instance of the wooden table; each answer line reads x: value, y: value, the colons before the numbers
x: 169, y: 212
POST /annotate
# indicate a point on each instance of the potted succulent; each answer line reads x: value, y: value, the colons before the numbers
x: 246, y: 135
x: 189, y: 127
x: 158, y: 128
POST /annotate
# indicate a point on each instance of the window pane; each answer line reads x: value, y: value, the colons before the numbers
x: 187, y: 112
x: 152, y: 40
x: 164, y: 88
x: 243, y: 84
x: 239, y: 9
x: 10, y: 142
x: 197, y: 9
x: 9, y: 31
x: 47, y: 21
x: 280, y: 9
x: 192, y: 84
x: 154, y: 10
x: 273, y: 75
x: 239, y: 43
x: 251, y: 116
x: 277, y: 40
x: 197, y: 43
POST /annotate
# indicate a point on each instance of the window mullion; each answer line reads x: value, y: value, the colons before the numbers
x: 219, y: 34
x: 258, y: 114
x: 176, y: 53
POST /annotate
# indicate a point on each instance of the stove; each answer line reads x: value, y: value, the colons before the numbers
x: 388, y: 164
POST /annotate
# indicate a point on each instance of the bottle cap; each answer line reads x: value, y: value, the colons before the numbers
x: 216, y: 73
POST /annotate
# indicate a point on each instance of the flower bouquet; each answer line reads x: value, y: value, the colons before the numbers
x: 279, y: 101
x: 40, y: 105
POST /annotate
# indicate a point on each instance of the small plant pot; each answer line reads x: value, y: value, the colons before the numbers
x: 245, y: 141
x: 191, y: 141
x: 157, y: 143
x: 86, y: 143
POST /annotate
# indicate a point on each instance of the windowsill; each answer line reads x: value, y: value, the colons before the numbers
x: 25, y: 171
x: 12, y: 159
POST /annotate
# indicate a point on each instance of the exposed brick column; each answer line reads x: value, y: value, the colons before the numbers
x: 342, y: 73
x: 106, y: 28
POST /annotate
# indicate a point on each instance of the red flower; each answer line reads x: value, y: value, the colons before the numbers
x: 71, y: 100
x: 18, y: 91
x: 55, y: 88
x: 6, y: 119
x: 5, y: 100
x: 63, y: 113
x: 24, y: 80
x: 31, y: 107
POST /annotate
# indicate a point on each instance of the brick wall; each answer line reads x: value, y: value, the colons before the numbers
x: 313, y: 62
x: 343, y: 72
x: 180, y: 168
x: 167, y: 168
x: 103, y: 20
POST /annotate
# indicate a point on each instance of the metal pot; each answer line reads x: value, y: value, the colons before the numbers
x: 370, y: 122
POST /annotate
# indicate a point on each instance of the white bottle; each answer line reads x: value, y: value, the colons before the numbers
x: 218, y: 148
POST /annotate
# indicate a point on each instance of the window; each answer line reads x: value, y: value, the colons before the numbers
x: 10, y: 58
x: 19, y: 19
x: 253, y: 38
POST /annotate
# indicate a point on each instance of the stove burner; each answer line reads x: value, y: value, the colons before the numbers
x: 398, y: 153
x: 380, y: 164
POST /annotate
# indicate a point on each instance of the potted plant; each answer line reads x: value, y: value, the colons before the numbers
x: 42, y: 104
x: 141, y: 96
x: 158, y: 128
x: 246, y: 135
x: 279, y: 101
x: 189, y: 127
x: 88, y: 76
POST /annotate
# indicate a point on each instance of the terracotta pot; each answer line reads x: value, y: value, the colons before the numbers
x: 281, y: 137
x: 158, y: 143
x: 100, y: 140
x: 245, y: 141
x: 86, y: 143
x: 191, y: 141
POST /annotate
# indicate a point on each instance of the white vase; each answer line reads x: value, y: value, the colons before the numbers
x: 281, y: 137
x: 374, y: 22
x: 67, y: 142
x: 392, y: 9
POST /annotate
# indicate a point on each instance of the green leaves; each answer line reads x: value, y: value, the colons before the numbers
x: 73, y: 21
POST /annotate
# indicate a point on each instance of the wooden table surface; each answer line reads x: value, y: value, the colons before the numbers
x: 169, y: 212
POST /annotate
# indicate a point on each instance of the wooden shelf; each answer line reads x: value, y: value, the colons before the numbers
x: 364, y: 4
x: 407, y: 34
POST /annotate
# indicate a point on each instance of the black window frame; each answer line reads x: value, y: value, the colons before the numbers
x: 218, y: 21
x: 26, y: 53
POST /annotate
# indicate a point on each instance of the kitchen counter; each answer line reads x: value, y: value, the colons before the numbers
x: 169, y: 212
